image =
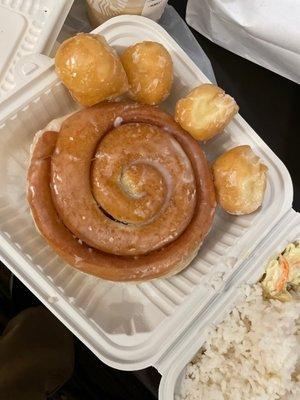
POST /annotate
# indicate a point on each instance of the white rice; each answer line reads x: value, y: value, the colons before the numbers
x: 254, y: 354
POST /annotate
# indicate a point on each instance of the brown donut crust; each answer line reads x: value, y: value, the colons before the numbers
x: 165, y: 261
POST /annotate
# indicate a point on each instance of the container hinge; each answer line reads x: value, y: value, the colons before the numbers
x: 170, y: 355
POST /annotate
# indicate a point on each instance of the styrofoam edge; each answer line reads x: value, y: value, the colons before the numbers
x: 63, y: 310
x: 249, y: 273
x: 44, y: 78
x: 283, y: 169
x: 35, y: 64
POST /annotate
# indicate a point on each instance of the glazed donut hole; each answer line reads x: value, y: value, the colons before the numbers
x: 205, y: 111
x: 90, y: 69
x: 149, y: 70
x: 240, y: 180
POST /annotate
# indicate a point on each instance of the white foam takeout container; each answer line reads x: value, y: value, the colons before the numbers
x: 132, y: 326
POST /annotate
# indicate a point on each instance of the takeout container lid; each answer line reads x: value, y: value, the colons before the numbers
x: 162, y: 315
x: 27, y: 27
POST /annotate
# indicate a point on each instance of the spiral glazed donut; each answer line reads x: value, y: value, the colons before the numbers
x: 121, y: 192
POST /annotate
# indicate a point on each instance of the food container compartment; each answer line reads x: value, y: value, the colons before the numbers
x: 128, y: 326
x: 286, y: 232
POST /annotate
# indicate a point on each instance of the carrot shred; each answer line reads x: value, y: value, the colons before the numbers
x: 284, y: 274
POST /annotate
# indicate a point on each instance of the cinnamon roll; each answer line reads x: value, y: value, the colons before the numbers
x: 121, y: 192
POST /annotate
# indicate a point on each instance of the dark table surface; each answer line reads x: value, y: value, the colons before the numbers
x: 270, y: 104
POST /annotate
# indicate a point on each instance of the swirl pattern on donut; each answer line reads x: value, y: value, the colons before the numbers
x: 121, y: 192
